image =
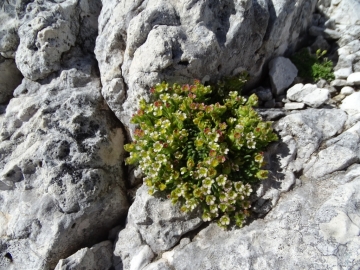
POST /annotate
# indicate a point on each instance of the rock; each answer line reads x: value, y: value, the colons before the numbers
x: 61, y: 185
x: 325, y: 32
x: 338, y: 83
x: 270, y: 114
x: 319, y: 218
x: 329, y: 160
x: 351, y: 103
x: 321, y: 83
x: 309, y: 128
x: 317, y: 98
x: 299, y: 91
x: 320, y: 43
x: 347, y: 90
x: 294, y: 106
x: 343, y: 73
x: 156, y: 216
x: 349, y: 49
x: 338, y: 98
x: 308, y: 94
x: 10, y: 78
x: 282, y: 74
x: 98, y: 257
x: 270, y: 103
x: 354, y: 78
x: 264, y: 94
x: 345, y: 12
x: 42, y: 32
x: 173, y: 42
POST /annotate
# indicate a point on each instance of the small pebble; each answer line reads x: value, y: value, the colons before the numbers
x: 347, y: 90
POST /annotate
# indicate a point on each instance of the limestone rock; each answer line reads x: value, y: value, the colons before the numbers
x: 347, y: 90
x: 351, y: 103
x: 155, y: 216
x: 42, y: 31
x: 354, y: 78
x: 61, y: 185
x: 309, y: 128
x: 317, y: 219
x: 294, y: 106
x: 10, y: 78
x: 299, y: 91
x: 317, y: 98
x: 141, y: 43
x: 282, y: 74
x: 98, y: 257
x: 345, y: 12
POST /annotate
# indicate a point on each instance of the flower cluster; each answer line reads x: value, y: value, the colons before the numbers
x: 202, y: 154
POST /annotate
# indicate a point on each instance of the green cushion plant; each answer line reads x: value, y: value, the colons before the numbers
x: 201, y: 153
x: 313, y: 67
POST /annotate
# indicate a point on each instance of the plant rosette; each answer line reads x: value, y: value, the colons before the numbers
x: 201, y: 154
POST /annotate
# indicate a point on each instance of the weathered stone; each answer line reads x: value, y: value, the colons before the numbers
x: 309, y: 128
x: 98, y: 257
x: 338, y: 98
x: 264, y: 94
x: 61, y: 186
x: 329, y: 160
x: 354, y: 78
x: 320, y: 43
x: 294, y: 106
x: 299, y: 91
x: 176, y: 42
x: 338, y: 83
x: 317, y: 98
x: 282, y: 74
x: 343, y: 73
x: 317, y: 219
x: 325, y: 32
x: 345, y: 12
x: 350, y: 48
x: 270, y: 103
x: 10, y: 78
x: 351, y: 103
x: 156, y: 216
x: 347, y: 90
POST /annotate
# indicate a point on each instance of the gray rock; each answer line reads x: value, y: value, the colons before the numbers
x: 10, y: 78
x: 61, y: 154
x: 345, y: 12
x: 329, y: 160
x: 98, y: 257
x: 41, y: 32
x: 347, y: 90
x: 338, y: 98
x: 343, y: 73
x: 320, y: 43
x: 270, y: 103
x: 264, y: 94
x: 351, y: 103
x: 294, y: 106
x: 156, y: 216
x: 325, y: 32
x: 317, y: 98
x: 354, y: 78
x: 176, y: 42
x: 317, y: 219
x: 299, y: 91
x: 309, y: 128
x: 282, y: 74
x: 321, y: 83
x: 350, y: 48
x: 338, y: 83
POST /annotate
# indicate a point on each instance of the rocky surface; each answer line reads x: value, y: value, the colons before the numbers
x: 71, y: 73
x: 61, y: 184
x: 97, y: 257
x: 141, y: 43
